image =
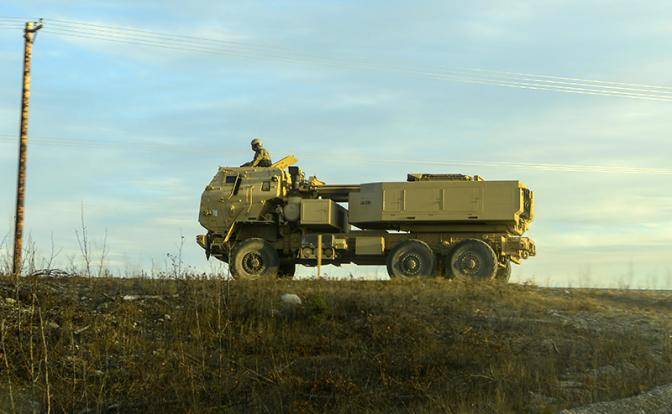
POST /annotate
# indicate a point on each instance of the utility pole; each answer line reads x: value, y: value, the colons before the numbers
x: 29, y: 33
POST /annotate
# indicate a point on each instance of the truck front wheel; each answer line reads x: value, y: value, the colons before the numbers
x: 473, y: 258
x: 254, y: 257
x: 411, y: 258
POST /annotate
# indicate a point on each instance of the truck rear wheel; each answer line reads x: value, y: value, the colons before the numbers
x: 411, y: 258
x: 254, y: 257
x: 473, y: 258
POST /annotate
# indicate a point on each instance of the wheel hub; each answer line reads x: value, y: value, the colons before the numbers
x: 253, y: 263
x: 410, y: 264
x: 470, y: 263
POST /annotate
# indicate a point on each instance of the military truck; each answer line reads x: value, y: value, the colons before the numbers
x: 263, y: 221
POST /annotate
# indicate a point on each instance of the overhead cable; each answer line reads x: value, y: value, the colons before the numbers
x: 526, y: 83
x: 248, y: 50
x: 504, y: 76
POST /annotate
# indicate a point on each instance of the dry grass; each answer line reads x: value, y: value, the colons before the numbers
x: 197, y: 345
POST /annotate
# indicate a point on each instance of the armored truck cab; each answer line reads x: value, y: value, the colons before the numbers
x: 263, y: 221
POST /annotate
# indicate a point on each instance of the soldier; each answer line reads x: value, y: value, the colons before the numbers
x: 261, y: 157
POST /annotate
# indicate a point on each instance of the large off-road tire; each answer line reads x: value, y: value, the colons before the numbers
x: 254, y: 258
x: 473, y: 258
x: 287, y: 270
x: 504, y: 273
x: 411, y: 258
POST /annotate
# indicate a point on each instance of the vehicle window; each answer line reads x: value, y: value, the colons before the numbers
x: 266, y: 186
x: 231, y: 179
x: 236, y: 186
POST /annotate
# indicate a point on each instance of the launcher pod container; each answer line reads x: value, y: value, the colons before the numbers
x: 263, y: 221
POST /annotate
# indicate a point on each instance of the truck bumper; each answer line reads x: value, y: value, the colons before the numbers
x: 519, y: 248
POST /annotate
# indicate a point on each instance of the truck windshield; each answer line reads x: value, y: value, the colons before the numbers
x: 235, y: 180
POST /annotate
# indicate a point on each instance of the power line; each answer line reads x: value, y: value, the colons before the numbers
x: 126, y: 31
x: 182, y: 37
x: 245, y: 50
x: 153, y: 43
x: 645, y: 86
x: 526, y: 83
x: 230, y: 48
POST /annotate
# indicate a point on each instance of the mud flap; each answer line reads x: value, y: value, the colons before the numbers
x: 205, y: 241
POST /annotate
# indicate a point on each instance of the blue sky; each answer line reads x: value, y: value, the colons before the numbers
x: 150, y: 125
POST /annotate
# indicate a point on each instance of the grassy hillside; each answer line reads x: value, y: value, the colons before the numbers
x: 120, y: 345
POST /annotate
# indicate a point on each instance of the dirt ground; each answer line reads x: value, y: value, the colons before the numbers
x: 209, y: 345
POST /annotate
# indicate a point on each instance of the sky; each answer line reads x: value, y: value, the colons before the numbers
x: 130, y: 133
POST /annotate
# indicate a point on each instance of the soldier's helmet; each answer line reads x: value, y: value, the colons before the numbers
x: 256, y: 143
